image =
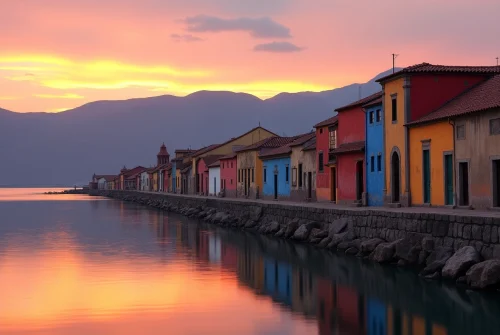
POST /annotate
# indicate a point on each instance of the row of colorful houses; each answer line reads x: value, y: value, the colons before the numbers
x: 429, y: 137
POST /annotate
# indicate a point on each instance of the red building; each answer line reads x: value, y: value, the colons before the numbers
x: 202, y: 171
x: 349, y: 153
x: 326, y: 137
x: 228, y: 175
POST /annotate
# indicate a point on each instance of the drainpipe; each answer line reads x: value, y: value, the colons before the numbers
x: 452, y: 123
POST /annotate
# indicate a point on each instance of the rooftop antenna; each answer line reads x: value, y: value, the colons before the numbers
x: 394, y: 56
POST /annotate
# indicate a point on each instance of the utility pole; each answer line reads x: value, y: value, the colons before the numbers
x: 394, y: 56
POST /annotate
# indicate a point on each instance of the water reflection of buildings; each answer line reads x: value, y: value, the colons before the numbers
x: 250, y: 269
x: 278, y: 280
x: 341, y: 310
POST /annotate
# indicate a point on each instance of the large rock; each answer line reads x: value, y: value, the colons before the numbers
x: 281, y: 232
x: 273, y: 227
x: 384, y: 252
x: 291, y: 227
x: 324, y: 242
x: 460, y: 262
x: 256, y: 213
x: 337, y: 239
x: 484, y: 275
x: 433, y: 270
x: 337, y: 226
x: 302, y: 233
x: 368, y: 246
x: 440, y: 254
x: 319, y: 233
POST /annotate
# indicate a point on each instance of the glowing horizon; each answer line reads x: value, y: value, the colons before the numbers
x: 87, y: 51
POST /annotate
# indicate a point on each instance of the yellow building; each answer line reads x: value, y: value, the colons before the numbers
x: 253, y: 136
x: 418, y: 157
x: 431, y: 168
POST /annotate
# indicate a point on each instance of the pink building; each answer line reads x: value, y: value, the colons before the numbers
x: 228, y: 174
x: 202, y: 172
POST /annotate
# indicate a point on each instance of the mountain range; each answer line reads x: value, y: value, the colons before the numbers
x: 65, y: 149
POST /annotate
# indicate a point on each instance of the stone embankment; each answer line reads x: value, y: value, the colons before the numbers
x: 464, y: 249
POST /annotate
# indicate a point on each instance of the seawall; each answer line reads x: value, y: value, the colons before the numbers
x: 460, y: 247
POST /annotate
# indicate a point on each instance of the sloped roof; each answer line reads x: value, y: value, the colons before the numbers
x: 361, y: 102
x: 215, y: 146
x: 231, y: 156
x: 481, y: 97
x: 310, y: 146
x: 214, y: 164
x: 328, y: 122
x: 433, y: 68
x: 349, y: 147
x: 133, y: 171
x: 373, y: 103
x: 271, y: 142
x: 287, y: 148
x: 106, y: 177
x: 210, y: 159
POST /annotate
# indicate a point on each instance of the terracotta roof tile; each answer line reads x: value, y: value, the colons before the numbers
x: 432, y: 68
x: 106, y: 177
x: 231, y: 156
x: 214, y: 164
x: 310, y: 146
x: 211, y: 159
x: 133, y: 171
x: 349, y: 147
x: 361, y: 102
x: 205, y: 150
x: 271, y: 142
x: 287, y: 148
x: 327, y: 122
x: 373, y: 103
x: 483, y: 96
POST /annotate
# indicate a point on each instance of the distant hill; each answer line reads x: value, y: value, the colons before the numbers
x: 67, y: 148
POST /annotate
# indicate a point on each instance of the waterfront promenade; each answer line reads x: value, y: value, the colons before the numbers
x: 329, y: 205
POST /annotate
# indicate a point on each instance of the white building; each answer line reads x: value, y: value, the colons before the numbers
x: 144, y: 181
x: 214, y: 178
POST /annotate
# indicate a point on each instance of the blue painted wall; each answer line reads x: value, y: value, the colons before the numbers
x: 174, y: 178
x: 268, y: 182
x: 377, y: 317
x: 278, y: 280
x: 374, y: 151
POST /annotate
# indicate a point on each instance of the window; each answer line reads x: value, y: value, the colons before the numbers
x: 300, y: 174
x: 332, y: 134
x: 239, y: 177
x: 286, y: 173
x: 321, y: 130
x: 265, y: 175
x: 372, y: 163
x: 231, y: 181
x: 461, y: 132
x: 377, y: 119
x: 231, y: 165
x: 394, y: 109
x: 495, y: 126
x: 253, y: 175
x: 371, y: 117
x: 320, y: 162
x: 294, y: 176
x: 379, y: 162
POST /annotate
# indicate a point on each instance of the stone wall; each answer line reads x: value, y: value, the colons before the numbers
x: 421, y: 239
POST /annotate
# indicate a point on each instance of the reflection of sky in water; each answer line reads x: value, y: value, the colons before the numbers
x: 107, y: 267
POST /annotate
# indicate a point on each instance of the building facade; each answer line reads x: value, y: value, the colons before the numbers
x: 214, y: 181
x: 202, y: 173
x: 374, y: 153
x: 409, y: 95
x: 276, y: 177
x: 326, y: 169
x: 349, y: 153
x: 303, y: 159
x: 229, y: 175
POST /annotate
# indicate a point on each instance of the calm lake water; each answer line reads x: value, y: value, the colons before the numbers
x: 73, y: 264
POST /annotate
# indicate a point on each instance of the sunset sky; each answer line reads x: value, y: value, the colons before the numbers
x: 59, y: 54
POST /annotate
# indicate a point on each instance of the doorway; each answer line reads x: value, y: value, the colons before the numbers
x: 395, y: 167
x: 309, y: 185
x: 463, y: 182
x: 245, y: 181
x: 275, y: 186
x: 426, y: 171
x: 215, y: 186
x: 448, y: 180
x: 496, y: 182
x: 359, y: 180
x: 333, y: 184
